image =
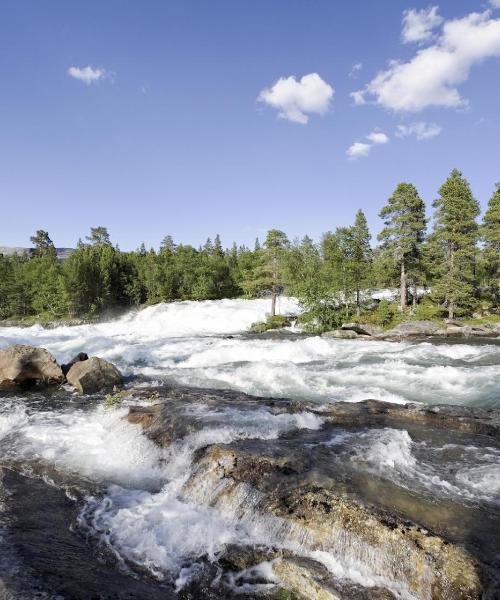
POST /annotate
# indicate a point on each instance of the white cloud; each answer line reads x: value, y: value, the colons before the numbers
x: 297, y: 99
x: 495, y: 3
x: 355, y: 70
x: 431, y: 77
x: 421, y: 130
x: 377, y: 137
x: 87, y: 74
x: 418, y: 25
x: 358, y: 149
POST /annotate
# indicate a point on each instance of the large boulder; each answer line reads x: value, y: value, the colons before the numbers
x: 414, y: 329
x: 27, y: 365
x: 92, y: 375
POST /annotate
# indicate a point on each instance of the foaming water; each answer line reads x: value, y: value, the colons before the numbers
x: 465, y: 473
x: 161, y: 531
x: 204, y: 344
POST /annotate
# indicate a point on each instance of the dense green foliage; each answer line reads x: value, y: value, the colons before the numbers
x: 459, y: 262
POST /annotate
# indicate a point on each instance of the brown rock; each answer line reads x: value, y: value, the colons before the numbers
x: 28, y: 365
x: 93, y: 375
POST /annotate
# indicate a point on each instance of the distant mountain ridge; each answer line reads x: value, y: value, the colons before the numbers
x: 62, y: 253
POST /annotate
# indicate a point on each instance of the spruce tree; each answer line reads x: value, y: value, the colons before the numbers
x: 361, y: 256
x: 491, y: 239
x: 455, y: 236
x: 403, y: 234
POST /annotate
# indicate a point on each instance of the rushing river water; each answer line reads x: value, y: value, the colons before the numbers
x: 91, y: 507
x: 203, y: 344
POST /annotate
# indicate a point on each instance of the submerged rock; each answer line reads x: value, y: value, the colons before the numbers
x: 93, y: 375
x: 442, y: 416
x: 28, y: 365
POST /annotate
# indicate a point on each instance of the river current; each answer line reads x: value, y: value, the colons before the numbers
x: 110, y: 499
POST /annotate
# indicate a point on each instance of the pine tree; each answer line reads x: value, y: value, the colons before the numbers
x: 275, y: 245
x: 99, y: 236
x: 455, y: 236
x: 43, y: 244
x: 361, y: 256
x: 491, y: 237
x: 403, y: 234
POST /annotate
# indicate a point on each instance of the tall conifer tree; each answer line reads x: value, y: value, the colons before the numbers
x: 403, y: 234
x: 455, y: 236
x: 491, y: 238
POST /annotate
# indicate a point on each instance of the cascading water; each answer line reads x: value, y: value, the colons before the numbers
x: 151, y: 508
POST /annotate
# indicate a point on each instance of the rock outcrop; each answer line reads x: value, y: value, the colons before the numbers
x: 342, y: 334
x: 28, y: 365
x: 93, y: 375
x: 397, y: 552
x: 366, y: 329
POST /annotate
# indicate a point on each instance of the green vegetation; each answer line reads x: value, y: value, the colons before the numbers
x: 459, y: 261
x: 272, y: 322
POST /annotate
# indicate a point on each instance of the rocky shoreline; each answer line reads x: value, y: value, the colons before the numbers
x: 415, y: 330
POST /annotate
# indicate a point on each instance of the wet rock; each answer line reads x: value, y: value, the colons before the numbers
x: 412, y: 329
x: 93, y: 375
x: 28, y: 365
x: 363, y: 328
x: 320, y: 519
x: 80, y: 357
x: 442, y: 416
x: 309, y: 580
x: 343, y: 334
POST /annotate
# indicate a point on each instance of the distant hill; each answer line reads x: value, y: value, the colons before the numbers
x: 62, y: 253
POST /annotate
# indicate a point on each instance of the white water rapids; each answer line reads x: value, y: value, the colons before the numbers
x: 140, y: 515
x: 187, y: 343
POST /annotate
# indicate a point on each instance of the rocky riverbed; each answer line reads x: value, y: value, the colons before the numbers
x: 185, y: 486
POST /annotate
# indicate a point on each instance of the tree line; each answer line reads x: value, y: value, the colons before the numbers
x: 456, y: 257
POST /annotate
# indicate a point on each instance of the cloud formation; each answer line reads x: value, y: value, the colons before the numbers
x: 360, y: 149
x: 356, y: 69
x: 431, y: 77
x: 418, y: 25
x: 377, y: 137
x: 495, y: 3
x: 88, y: 74
x: 421, y: 130
x: 296, y: 99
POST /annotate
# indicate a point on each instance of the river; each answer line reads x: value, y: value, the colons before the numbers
x: 91, y: 507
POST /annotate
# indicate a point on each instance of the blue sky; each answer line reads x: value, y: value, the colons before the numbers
x: 159, y: 117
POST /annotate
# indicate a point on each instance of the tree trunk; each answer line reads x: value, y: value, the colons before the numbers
x: 404, y: 299
x: 274, y: 291
x: 415, y: 289
x: 358, y: 308
x: 451, y: 303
